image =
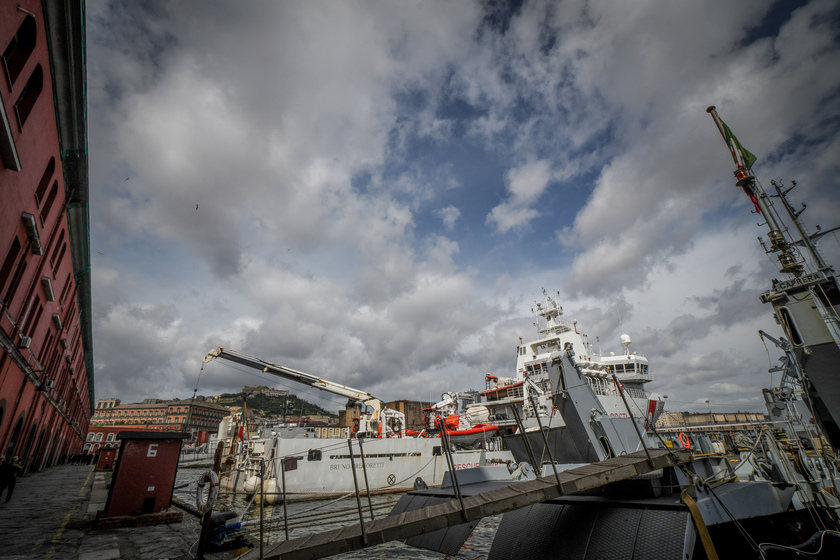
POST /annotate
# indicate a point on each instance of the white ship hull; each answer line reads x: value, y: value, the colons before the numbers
x: 321, y: 468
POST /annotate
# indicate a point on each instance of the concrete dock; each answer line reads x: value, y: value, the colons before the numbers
x: 51, y: 516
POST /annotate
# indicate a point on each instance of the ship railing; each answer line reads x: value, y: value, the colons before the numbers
x: 605, y: 389
x: 634, y: 377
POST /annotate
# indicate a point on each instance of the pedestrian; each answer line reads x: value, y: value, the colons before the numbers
x: 4, y: 474
x: 8, y: 476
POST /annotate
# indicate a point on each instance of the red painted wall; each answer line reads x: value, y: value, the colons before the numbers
x: 34, y: 423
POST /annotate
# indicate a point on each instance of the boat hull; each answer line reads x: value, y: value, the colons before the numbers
x: 321, y: 468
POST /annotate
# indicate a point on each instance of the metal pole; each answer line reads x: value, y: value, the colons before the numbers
x: 545, y: 439
x: 633, y: 420
x: 521, y: 426
x: 448, y: 451
x: 262, y: 506
x: 358, y: 499
x: 285, y: 508
x: 364, y: 472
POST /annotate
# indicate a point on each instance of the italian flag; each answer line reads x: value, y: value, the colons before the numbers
x: 749, y: 158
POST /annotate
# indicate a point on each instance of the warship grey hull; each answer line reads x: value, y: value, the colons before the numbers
x: 822, y: 369
x: 594, y: 530
x: 807, y: 313
x: 562, y: 444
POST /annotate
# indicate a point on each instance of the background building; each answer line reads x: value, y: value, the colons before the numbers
x: 199, y: 418
x: 683, y: 419
x: 413, y: 411
x: 46, y: 364
x: 263, y: 390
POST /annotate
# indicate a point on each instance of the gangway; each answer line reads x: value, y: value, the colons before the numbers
x: 493, y: 502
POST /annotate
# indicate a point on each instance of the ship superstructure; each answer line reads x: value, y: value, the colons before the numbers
x: 532, y: 389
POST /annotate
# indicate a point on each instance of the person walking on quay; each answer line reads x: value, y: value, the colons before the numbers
x: 8, y: 476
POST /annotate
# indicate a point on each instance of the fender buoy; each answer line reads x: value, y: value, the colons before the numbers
x: 204, y: 505
x: 684, y: 440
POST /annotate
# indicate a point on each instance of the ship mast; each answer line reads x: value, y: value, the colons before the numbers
x: 746, y: 180
x: 806, y: 307
x: 808, y: 240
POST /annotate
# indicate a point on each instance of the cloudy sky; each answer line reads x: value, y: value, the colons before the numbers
x: 376, y: 192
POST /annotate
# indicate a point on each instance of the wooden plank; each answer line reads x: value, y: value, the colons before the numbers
x: 448, y: 514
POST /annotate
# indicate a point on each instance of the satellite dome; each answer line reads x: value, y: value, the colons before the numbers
x: 625, y: 339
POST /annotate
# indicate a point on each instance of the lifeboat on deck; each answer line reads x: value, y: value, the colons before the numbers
x: 472, y: 437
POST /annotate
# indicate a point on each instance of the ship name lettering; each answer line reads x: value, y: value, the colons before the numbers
x: 346, y: 466
x: 801, y: 281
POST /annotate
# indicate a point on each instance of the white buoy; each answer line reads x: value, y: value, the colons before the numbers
x: 251, y: 484
x: 269, y: 490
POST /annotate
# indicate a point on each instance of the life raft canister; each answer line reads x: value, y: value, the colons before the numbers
x: 684, y: 440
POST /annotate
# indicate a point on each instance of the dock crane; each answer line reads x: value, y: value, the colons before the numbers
x: 381, y: 422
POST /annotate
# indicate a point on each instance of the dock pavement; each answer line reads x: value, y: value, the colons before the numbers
x: 51, y: 516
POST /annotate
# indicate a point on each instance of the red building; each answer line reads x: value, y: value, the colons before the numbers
x: 197, y: 418
x: 46, y: 364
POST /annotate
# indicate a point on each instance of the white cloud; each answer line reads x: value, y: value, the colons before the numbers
x: 449, y: 216
x: 378, y: 183
x: 525, y: 184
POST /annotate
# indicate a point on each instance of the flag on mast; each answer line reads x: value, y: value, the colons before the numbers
x: 734, y: 144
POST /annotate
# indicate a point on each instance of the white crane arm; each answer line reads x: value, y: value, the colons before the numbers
x: 294, y: 375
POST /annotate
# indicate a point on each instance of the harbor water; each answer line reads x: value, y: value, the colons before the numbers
x: 315, y: 516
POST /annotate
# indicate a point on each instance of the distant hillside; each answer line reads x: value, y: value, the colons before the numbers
x: 265, y: 406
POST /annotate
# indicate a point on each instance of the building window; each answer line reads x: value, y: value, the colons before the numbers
x: 27, y: 328
x: 10, y: 291
x: 67, y: 284
x: 30, y: 94
x: 99, y: 436
x: 9, y: 262
x: 90, y: 436
x: 110, y: 437
x: 57, y: 247
x: 45, y: 182
x: 45, y: 210
x: 19, y: 50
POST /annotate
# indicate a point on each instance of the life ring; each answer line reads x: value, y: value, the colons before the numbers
x: 684, y: 440
x: 355, y: 428
x: 200, y: 503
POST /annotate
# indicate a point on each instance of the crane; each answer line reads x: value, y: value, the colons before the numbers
x: 381, y: 422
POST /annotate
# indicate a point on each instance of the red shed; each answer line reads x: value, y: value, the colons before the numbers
x: 107, y: 456
x: 145, y: 473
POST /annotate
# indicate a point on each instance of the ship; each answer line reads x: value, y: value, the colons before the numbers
x: 778, y: 498
x: 380, y: 457
x: 616, y: 379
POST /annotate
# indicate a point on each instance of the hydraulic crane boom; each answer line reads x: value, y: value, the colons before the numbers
x: 294, y: 375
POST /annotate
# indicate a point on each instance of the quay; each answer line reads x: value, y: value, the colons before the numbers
x: 51, y: 516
